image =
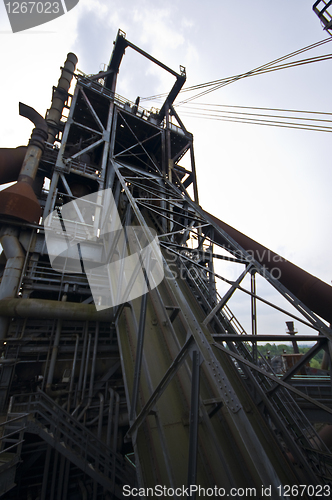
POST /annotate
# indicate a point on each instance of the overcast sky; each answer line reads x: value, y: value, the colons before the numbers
x: 271, y: 183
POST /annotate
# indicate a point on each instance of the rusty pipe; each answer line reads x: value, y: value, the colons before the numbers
x: 32, y: 115
x: 314, y: 293
x: 19, y: 200
x: 36, y: 144
x: 11, y: 160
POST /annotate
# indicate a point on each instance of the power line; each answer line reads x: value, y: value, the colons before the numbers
x: 216, y: 84
x: 257, y: 72
x: 259, y: 108
x: 204, y: 111
x: 261, y: 121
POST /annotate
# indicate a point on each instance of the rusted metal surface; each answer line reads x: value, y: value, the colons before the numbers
x: 11, y: 160
x: 19, y: 201
x: 313, y: 292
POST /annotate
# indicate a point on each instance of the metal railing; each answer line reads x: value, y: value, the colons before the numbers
x: 60, y: 429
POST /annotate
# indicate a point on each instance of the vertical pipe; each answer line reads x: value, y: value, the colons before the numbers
x: 193, y: 169
x: 169, y: 166
x: 93, y: 369
x: 52, y: 194
x: 71, y: 385
x: 110, y: 415
x: 46, y: 470
x: 60, y: 96
x: 194, y: 420
x: 110, y: 174
x: 54, y: 351
x: 12, y: 274
x: 115, y: 436
x: 54, y: 474
x: 94, y: 360
x: 116, y: 422
x: 66, y: 481
x: 163, y: 153
x: 80, y: 378
x: 86, y: 369
x: 61, y: 477
x: 253, y: 314
x: 83, y: 490
x: 101, y: 411
x: 139, y: 355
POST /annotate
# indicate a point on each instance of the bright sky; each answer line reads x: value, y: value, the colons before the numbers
x: 271, y: 183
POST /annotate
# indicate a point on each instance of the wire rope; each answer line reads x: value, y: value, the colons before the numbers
x: 268, y: 67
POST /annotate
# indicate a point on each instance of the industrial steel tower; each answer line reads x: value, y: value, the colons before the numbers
x: 104, y: 390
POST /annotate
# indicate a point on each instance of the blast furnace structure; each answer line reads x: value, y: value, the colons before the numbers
x: 166, y: 388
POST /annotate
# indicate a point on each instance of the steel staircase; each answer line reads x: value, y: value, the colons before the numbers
x: 64, y: 433
x: 11, y: 445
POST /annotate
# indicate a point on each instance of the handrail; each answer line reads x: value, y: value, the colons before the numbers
x: 64, y: 428
x: 12, y: 446
x: 22, y: 415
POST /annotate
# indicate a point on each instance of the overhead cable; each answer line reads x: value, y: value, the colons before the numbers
x: 271, y: 66
x: 256, y: 107
x: 258, y: 119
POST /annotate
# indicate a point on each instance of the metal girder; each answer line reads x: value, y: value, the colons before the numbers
x: 278, y: 381
x: 193, y: 411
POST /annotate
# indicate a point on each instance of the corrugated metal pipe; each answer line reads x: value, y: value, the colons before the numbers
x: 19, y: 200
x: 60, y: 95
x: 314, y: 293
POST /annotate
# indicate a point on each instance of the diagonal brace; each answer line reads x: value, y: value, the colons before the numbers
x: 172, y: 370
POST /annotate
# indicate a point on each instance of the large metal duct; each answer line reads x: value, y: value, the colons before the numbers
x: 11, y: 160
x: 60, y: 96
x: 51, y: 309
x: 19, y: 200
x: 313, y: 292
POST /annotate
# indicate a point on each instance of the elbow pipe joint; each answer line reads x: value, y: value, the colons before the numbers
x: 10, y: 244
x: 40, y: 132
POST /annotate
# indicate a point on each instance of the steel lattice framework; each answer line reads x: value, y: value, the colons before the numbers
x: 167, y: 389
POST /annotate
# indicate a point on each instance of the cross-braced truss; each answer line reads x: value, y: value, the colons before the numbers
x: 172, y: 383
